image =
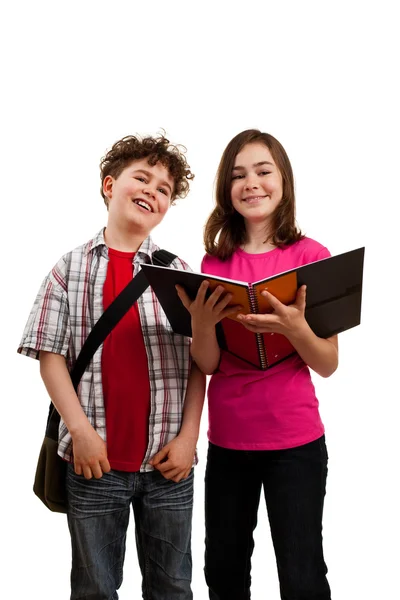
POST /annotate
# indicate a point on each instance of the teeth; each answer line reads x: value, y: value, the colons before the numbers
x: 254, y: 198
x: 143, y: 204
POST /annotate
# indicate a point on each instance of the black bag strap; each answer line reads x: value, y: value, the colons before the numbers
x: 114, y: 313
x: 108, y: 320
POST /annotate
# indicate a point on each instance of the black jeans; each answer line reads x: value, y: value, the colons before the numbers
x: 294, y: 489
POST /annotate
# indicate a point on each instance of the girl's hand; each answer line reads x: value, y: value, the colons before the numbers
x: 287, y: 320
x: 207, y: 312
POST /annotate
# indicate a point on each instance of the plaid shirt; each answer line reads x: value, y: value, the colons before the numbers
x: 70, y: 302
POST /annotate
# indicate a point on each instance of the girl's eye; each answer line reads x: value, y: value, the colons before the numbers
x: 237, y: 177
x: 265, y: 173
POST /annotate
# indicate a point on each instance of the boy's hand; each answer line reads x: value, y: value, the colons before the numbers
x: 175, y: 460
x: 90, y: 453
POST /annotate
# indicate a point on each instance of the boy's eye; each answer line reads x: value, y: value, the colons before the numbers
x: 162, y: 191
x: 142, y: 179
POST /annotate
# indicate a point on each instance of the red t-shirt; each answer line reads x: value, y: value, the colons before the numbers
x: 125, y: 374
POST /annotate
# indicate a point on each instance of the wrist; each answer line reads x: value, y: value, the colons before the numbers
x: 79, y: 427
x: 189, y: 434
x: 300, y: 332
x: 202, y: 328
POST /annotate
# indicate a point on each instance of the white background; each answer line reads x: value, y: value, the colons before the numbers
x: 320, y: 76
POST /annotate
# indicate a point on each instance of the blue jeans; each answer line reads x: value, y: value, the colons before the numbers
x: 98, y: 516
x: 294, y: 488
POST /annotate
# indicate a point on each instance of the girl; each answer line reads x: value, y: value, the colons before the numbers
x: 265, y: 431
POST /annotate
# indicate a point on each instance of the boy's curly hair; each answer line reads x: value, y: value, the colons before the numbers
x: 155, y: 149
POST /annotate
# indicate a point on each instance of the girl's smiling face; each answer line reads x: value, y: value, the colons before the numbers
x: 256, y: 189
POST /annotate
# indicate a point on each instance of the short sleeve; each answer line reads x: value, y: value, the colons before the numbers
x: 48, y: 325
x: 203, y: 268
x: 323, y: 253
x: 307, y: 251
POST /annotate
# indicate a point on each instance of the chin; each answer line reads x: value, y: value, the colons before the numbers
x: 258, y: 218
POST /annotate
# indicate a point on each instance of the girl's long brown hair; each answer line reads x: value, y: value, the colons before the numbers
x: 226, y: 223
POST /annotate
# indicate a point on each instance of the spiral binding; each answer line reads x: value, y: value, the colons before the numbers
x: 259, y: 338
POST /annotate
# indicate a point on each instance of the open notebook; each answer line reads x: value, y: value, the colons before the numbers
x: 334, y: 291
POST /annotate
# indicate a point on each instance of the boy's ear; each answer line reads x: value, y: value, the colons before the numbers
x: 107, y: 186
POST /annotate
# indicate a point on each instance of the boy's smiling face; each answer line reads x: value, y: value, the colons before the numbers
x: 139, y: 197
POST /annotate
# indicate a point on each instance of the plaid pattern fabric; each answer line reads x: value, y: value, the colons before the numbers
x: 70, y: 302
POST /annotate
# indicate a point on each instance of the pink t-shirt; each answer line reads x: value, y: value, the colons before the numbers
x: 250, y: 409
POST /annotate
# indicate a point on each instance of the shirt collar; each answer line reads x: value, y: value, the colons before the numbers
x: 146, y: 249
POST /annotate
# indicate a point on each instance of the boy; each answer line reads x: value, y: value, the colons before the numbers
x: 130, y: 434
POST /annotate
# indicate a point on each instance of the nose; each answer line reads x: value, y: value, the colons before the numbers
x: 149, y: 191
x: 251, y: 182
